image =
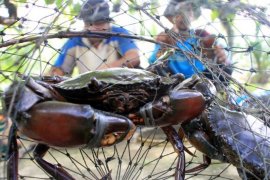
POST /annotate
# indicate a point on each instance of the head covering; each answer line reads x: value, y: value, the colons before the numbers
x: 95, y: 11
x: 170, y: 9
x: 177, y: 7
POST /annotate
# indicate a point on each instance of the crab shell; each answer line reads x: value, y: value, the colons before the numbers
x: 119, y: 90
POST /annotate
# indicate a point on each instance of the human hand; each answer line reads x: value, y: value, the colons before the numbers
x: 220, y: 55
x: 54, y: 71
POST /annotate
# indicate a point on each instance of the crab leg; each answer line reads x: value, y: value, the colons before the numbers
x: 56, y: 171
x: 201, y: 141
x: 13, y: 155
x: 179, y: 148
x: 204, y: 165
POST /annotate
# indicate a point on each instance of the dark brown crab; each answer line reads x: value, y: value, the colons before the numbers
x: 228, y: 135
x: 233, y: 137
x: 123, y: 97
x: 116, y: 90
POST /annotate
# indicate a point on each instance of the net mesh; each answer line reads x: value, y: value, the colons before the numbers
x: 32, y: 41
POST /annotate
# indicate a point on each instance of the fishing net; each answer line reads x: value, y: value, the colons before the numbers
x: 32, y: 39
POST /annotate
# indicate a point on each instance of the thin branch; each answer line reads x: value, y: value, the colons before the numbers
x: 70, y: 34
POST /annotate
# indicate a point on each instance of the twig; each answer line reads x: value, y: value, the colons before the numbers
x: 70, y: 34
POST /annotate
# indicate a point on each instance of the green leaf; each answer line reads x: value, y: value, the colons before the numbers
x: 214, y: 14
x: 70, y: 2
x: 22, y: 1
x: 154, y: 30
x: 154, y: 4
x: 231, y: 16
x: 75, y: 9
x: 49, y: 2
x: 58, y: 3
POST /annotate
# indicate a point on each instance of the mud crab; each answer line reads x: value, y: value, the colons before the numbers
x: 228, y: 135
x: 100, y: 108
x: 233, y: 137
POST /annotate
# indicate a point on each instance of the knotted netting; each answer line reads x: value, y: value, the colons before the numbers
x: 33, y: 33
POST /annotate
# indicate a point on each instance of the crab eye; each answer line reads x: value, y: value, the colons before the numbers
x: 94, y: 85
x: 158, y: 81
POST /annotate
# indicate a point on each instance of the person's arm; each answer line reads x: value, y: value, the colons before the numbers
x: 56, y: 71
x: 212, y: 48
x: 127, y: 49
x: 130, y: 59
x: 215, y: 50
x: 159, y: 50
x: 221, y: 55
x: 65, y: 62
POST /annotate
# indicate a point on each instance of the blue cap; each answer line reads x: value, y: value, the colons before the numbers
x: 95, y: 11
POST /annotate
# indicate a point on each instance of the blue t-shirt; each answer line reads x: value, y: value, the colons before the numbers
x: 180, y: 61
x: 78, y: 52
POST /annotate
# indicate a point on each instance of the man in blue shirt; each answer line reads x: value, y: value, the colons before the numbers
x: 96, y: 53
x: 191, y: 42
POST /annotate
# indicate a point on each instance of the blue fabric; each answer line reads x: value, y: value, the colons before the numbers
x: 259, y: 94
x: 124, y: 44
x: 153, y: 56
x: 240, y: 100
x: 71, y: 43
x: 180, y: 62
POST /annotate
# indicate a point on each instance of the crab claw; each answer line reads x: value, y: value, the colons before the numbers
x: 111, y: 129
x: 185, y: 105
x: 72, y: 125
x: 177, y: 107
x: 203, y: 85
